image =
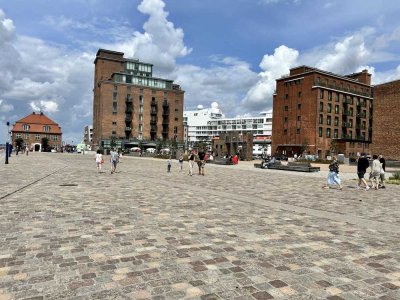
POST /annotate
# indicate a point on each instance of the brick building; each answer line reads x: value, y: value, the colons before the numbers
x: 132, y: 107
x: 386, y: 125
x: 322, y: 113
x: 33, y: 128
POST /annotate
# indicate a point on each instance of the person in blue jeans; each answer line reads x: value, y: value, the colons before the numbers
x: 114, y: 160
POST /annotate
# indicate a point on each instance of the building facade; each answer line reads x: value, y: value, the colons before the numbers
x: 203, y: 124
x: 33, y: 128
x: 322, y: 113
x: 88, y: 135
x: 386, y: 125
x: 132, y: 107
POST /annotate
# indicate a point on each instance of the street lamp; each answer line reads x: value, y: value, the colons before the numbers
x: 8, y: 143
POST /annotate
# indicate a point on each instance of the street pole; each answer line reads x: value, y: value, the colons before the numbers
x: 7, y: 143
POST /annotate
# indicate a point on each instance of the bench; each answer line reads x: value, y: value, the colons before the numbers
x: 302, y: 166
x: 220, y: 162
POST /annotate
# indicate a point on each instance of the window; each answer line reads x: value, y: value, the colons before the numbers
x: 37, y: 137
x: 329, y: 95
x: 329, y: 109
x: 297, y: 130
x: 285, y: 119
x: 298, y: 118
x: 298, y: 106
x: 328, y: 132
x: 299, y: 94
x: 140, y: 127
x: 114, y: 107
x: 286, y: 96
x: 114, y: 123
x: 18, y: 135
x: 176, y: 119
x: 140, y: 118
x: 115, y: 88
x: 285, y: 131
x: 113, y: 132
x: 328, y: 120
x: 176, y: 109
x: 140, y: 100
x: 335, y: 134
x: 321, y: 94
x: 336, y: 121
x: 321, y: 119
x: 175, y: 130
x: 336, y: 97
x: 321, y: 106
x: 286, y: 108
x: 115, y: 96
x: 26, y: 127
x: 26, y: 136
x: 336, y: 109
x: 140, y: 108
x: 320, y: 131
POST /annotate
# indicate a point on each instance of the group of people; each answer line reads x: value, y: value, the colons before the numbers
x: 376, y: 175
x: 114, y: 160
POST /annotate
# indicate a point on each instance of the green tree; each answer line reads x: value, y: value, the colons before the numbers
x: 45, y: 144
x: 19, y: 142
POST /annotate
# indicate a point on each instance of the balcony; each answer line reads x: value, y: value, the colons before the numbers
x: 128, y: 100
x: 128, y: 128
x: 129, y: 110
x: 347, y: 113
x: 165, y: 112
x: 128, y: 118
x: 338, y: 88
x: 153, y: 130
x: 165, y: 104
x: 361, y: 115
x: 153, y: 111
x: 359, y: 137
x: 153, y: 103
x: 153, y: 122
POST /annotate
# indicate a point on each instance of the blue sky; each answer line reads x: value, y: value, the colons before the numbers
x: 229, y: 51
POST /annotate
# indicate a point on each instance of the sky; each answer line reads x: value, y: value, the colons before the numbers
x: 225, y: 51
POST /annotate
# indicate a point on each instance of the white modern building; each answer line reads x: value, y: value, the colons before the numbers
x: 88, y: 135
x: 203, y: 124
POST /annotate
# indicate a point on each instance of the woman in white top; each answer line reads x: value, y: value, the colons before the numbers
x: 99, y: 160
x: 375, y: 172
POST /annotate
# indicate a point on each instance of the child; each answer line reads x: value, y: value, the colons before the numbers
x: 180, y: 163
x: 169, y: 162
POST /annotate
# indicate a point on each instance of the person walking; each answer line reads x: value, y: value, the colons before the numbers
x: 169, y: 163
x: 180, y: 160
x: 375, y: 172
x: 27, y: 150
x: 333, y: 175
x: 383, y: 170
x: 99, y: 160
x: 362, y: 166
x: 113, y: 160
x: 191, y: 163
x: 201, y: 162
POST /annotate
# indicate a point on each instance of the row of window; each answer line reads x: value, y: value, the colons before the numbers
x: 345, y: 135
x: 348, y: 112
x: 37, y: 136
x: 341, y: 86
x: 46, y: 128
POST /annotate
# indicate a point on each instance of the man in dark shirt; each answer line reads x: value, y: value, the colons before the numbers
x: 362, y: 166
x: 383, y: 163
x: 201, y: 162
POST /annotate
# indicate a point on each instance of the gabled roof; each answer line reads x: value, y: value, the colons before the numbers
x: 36, y: 121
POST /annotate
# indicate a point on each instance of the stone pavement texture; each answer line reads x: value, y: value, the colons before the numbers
x: 67, y: 232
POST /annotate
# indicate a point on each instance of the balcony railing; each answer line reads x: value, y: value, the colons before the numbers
x: 338, y: 88
x: 128, y: 128
x: 361, y: 115
x: 128, y: 100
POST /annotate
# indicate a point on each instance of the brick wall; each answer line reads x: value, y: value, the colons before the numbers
x: 386, y: 125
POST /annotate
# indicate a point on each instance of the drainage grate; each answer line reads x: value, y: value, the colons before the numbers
x: 69, y: 184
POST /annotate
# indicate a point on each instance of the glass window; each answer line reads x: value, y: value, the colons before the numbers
x: 321, y: 106
x: 26, y: 127
x: 320, y: 131
x: 329, y: 109
x: 321, y: 94
x: 328, y: 120
x: 335, y: 133
x: 37, y: 137
x: 321, y: 118
x: 114, y: 107
x: 336, y: 109
x: 336, y: 121
x: 286, y: 108
x: 328, y: 132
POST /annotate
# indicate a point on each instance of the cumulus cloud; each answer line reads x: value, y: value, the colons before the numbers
x: 259, y: 97
x: 161, y: 42
x: 44, y: 106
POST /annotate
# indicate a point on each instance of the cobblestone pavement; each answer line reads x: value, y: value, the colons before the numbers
x: 67, y: 232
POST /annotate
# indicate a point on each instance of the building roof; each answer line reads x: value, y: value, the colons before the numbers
x: 36, y: 121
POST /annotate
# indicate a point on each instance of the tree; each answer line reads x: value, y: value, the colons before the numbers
x: 333, y: 146
x: 19, y: 142
x: 45, y: 144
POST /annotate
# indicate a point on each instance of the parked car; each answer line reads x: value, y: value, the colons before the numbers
x: 135, y: 149
x: 151, y: 150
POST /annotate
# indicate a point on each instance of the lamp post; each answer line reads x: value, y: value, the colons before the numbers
x: 8, y: 143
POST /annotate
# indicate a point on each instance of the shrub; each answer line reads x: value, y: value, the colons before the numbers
x: 396, y: 176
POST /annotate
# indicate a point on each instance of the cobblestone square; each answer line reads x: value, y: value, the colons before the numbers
x: 238, y: 232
